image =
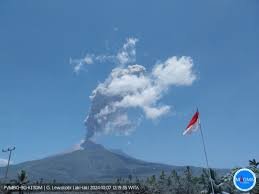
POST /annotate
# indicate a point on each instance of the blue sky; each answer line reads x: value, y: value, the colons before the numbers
x: 43, y: 103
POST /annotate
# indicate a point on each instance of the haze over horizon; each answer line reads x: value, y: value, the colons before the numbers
x: 54, y: 55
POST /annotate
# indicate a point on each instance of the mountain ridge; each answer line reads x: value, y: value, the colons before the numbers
x: 93, y: 163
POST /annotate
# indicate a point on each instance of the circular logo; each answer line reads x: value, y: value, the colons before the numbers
x: 244, y: 179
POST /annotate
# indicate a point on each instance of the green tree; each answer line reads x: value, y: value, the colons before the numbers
x: 169, y: 181
x: 153, y: 179
x: 203, y: 180
x: 256, y: 188
x: 130, y: 177
x: 188, y: 181
x: 162, y: 175
x: 253, y: 163
x: 22, y: 179
x: 206, y: 183
x: 177, y: 187
x: 162, y: 183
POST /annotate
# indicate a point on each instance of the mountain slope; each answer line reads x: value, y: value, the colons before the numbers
x: 93, y: 163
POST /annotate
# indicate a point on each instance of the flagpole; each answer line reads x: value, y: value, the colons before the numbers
x: 206, y: 156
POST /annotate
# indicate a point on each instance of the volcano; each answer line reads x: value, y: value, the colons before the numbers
x: 93, y: 163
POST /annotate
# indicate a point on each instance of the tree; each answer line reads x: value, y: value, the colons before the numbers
x: 178, y: 189
x: 256, y: 188
x: 22, y: 179
x: 153, y: 179
x: 254, y: 167
x: 162, y: 175
x: 253, y: 163
x: 203, y: 181
x: 130, y: 177
x: 188, y: 181
x: 169, y: 181
x: 206, y: 183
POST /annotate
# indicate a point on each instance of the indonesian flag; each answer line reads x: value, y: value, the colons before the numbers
x: 193, y: 124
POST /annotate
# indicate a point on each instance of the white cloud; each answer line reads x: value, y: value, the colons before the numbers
x: 175, y: 71
x: 80, y: 63
x: 133, y: 87
x: 125, y: 55
x: 128, y: 52
x: 3, y: 162
x: 155, y: 112
x: 88, y: 59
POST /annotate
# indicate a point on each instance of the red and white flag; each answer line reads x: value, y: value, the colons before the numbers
x: 193, y: 124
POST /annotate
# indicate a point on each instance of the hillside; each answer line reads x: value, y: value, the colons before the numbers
x: 93, y: 163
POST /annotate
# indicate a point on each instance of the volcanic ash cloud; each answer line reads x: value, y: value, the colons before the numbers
x: 132, y: 88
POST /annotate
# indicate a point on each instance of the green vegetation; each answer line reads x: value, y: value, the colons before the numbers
x: 173, y: 183
x: 189, y: 184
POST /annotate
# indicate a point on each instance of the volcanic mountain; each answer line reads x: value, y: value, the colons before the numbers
x: 93, y: 163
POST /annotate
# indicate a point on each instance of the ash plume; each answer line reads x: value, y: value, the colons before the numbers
x: 131, y: 92
x: 106, y: 114
x: 129, y: 88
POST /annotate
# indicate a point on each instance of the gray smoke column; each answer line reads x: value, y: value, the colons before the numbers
x: 106, y: 115
x: 132, y: 88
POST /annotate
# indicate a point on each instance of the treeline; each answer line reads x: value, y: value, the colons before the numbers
x: 173, y: 183
x: 170, y: 183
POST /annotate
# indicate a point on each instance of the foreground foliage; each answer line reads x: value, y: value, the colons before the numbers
x: 172, y: 183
